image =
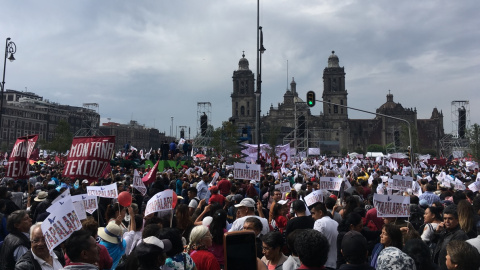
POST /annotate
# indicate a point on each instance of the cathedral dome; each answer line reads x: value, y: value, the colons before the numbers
x: 243, y: 63
x: 333, y: 60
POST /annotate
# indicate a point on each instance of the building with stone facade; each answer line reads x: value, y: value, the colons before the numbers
x: 332, y: 131
x: 139, y: 136
x: 26, y: 113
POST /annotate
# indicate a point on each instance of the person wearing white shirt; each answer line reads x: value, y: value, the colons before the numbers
x: 245, y: 209
x: 328, y: 227
x: 39, y: 257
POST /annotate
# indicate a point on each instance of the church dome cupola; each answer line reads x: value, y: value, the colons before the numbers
x: 243, y: 63
x: 333, y: 61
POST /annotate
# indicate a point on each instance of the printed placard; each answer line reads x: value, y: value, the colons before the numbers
x: 78, y: 206
x: 391, y: 205
x: 138, y: 183
x: 246, y: 171
x: 90, y: 203
x: 330, y: 183
x: 62, y: 196
x: 283, y: 187
x: 475, y: 186
x: 314, y: 197
x: 108, y: 191
x: 401, y: 182
x: 161, y: 201
x: 59, y: 225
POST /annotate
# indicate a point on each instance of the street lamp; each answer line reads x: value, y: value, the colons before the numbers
x: 258, y: 93
x: 10, y: 48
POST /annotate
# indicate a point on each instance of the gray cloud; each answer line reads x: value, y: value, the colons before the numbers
x: 151, y: 60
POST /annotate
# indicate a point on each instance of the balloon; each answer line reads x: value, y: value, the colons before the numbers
x: 125, y: 199
x: 174, y: 201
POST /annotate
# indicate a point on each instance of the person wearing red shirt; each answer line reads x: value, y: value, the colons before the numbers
x: 224, y: 186
x: 215, y: 197
x: 251, y: 191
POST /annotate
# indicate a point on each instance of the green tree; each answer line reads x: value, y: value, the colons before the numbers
x: 375, y: 148
x: 225, y: 142
x: 63, y: 138
x: 473, y: 135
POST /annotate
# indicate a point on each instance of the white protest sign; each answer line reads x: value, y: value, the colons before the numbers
x: 59, y: 225
x: 109, y: 191
x: 246, y: 171
x: 330, y: 183
x: 401, y: 182
x: 283, y: 187
x: 138, y: 183
x: 90, y: 203
x: 160, y: 202
x: 417, y: 189
x: 314, y: 197
x: 78, y: 206
x: 64, y: 194
x: 391, y: 205
x: 475, y: 186
x: 459, y: 184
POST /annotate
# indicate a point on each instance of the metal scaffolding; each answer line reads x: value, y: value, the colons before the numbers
x: 456, y: 144
x: 204, y: 133
x: 90, y: 112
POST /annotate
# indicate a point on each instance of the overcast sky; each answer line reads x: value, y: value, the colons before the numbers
x: 151, y: 60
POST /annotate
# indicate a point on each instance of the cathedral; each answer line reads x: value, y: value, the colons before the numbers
x: 333, y: 132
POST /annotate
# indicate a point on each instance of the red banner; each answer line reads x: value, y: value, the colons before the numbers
x: 441, y: 162
x: 88, y: 157
x: 151, y: 175
x: 17, y: 167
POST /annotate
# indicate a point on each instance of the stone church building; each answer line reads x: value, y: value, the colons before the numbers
x: 332, y: 131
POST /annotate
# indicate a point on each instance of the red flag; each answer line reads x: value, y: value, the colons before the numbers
x: 88, y: 157
x: 151, y: 175
x: 17, y: 167
x: 57, y: 159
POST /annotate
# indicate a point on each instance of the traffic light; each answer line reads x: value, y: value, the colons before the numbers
x: 310, y: 98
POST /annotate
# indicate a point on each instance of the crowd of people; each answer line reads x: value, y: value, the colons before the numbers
x: 342, y: 231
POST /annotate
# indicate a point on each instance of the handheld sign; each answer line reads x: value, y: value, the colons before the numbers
x: 138, y: 183
x: 401, y: 182
x: 330, y: 183
x: 161, y: 201
x: 63, y: 195
x: 77, y: 206
x: 314, y: 197
x: 391, y: 205
x: 59, y: 225
x: 90, y: 203
x: 246, y: 171
x: 283, y: 187
x: 108, y: 191
x: 475, y: 186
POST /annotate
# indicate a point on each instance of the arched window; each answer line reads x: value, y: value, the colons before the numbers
x: 242, y: 111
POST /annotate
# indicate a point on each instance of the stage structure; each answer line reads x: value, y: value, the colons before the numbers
x: 456, y: 143
x: 90, y: 113
x: 204, y: 131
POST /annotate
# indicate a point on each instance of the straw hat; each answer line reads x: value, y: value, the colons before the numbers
x: 42, y: 195
x: 112, y: 233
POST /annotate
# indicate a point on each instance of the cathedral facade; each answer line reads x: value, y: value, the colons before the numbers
x: 332, y: 131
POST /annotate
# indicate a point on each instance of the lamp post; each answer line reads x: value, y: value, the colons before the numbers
x: 11, y: 48
x: 258, y: 93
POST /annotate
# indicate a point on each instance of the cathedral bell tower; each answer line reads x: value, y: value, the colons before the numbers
x: 243, y: 96
x: 334, y: 90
